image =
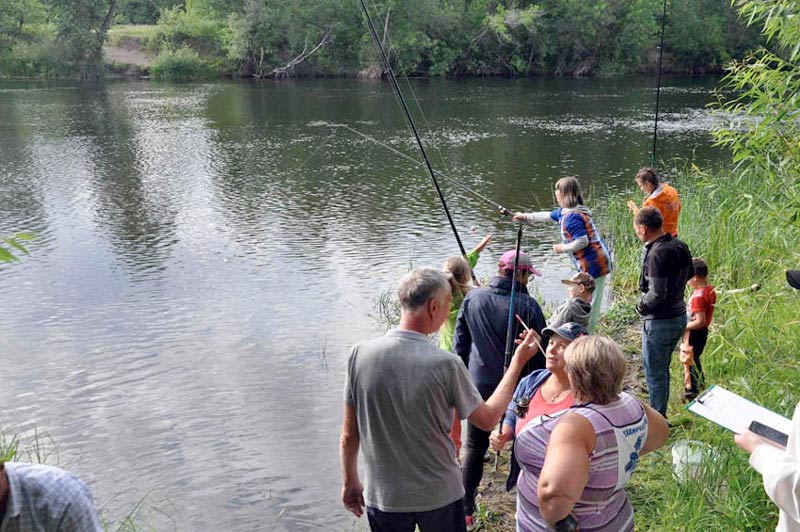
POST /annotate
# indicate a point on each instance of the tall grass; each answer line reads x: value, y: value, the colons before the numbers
x: 736, y: 223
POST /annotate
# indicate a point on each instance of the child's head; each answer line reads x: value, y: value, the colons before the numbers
x: 568, y: 192
x: 700, y: 272
x: 460, y: 272
x: 581, y: 286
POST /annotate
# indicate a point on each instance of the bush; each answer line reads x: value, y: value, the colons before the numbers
x: 34, y: 59
x: 178, y: 28
x: 181, y: 64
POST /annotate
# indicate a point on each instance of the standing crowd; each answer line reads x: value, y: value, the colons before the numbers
x: 577, y: 436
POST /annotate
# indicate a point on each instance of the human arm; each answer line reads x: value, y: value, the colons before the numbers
x: 352, y: 490
x: 531, y: 218
x: 780, y: 471
x: 576, y: 245
x: 698, y: 321
x: 486, y: 416
x: 574, y: 226
x: 657, y: 283
x: 565, y: 471
x: 498, y: 439
x: 633, y: 207
x: 657, y: 430
x: 481, y: 246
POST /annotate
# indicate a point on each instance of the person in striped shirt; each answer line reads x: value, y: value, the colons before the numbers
x: 579, y: 237
x: 575, y: 465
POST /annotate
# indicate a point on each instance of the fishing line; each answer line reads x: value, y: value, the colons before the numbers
x: 658, y: 83
x: 409, y: 158
x: 410, y: 120
x: 404, y: 74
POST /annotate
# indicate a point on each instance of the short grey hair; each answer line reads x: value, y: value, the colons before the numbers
x: 419, y: 286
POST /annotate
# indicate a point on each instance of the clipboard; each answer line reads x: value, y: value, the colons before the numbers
x: 734, y: 412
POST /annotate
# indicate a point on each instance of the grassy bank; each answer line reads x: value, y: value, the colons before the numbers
x: 736, y: 223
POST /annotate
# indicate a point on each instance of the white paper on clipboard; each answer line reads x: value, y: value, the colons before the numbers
x: 734, y: 412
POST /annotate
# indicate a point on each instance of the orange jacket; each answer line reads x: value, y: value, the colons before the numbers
x: 665, y: 199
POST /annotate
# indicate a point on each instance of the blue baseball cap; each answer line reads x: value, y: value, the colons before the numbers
x: 569, y: 331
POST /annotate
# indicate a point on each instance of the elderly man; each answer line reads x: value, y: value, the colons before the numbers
x: 480, y: 341
x: 666, y: 267
x: 399, y: 395
x: 41, y: 498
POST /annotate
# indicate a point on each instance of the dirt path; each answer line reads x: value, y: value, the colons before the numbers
x: 127, y: 54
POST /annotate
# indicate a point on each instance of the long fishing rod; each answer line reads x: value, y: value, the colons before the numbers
x: 451, y: 180
x: 510, y: 327
x: 410, y: 120
x: 658, y: 83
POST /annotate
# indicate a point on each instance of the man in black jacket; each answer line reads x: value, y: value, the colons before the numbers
x: 480, y: 341
x: 666, y: 267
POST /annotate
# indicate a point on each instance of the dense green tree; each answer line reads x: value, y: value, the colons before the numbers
x: 82, y: 26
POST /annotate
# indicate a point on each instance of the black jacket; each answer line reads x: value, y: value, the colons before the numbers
x: 481, y: 326
x: 666, y: 266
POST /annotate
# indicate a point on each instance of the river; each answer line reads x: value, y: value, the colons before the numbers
x: 206, y: 254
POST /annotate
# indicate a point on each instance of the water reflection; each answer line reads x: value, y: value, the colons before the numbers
x: 208, y: 253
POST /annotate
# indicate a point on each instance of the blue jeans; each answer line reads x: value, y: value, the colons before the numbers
x: 659, y: 338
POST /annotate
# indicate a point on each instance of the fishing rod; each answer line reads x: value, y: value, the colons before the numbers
x: 510, y: 327
x: 658, y: 83
x: 451, y: 180
x: 410, y: 120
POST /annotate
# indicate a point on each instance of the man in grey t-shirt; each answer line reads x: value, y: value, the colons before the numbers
x: 399, y: 395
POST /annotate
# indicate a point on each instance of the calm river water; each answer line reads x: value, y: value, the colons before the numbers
x: 207, y: 253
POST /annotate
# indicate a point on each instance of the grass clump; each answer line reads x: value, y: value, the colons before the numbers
x: 180, y: 64
x: 735, y: 221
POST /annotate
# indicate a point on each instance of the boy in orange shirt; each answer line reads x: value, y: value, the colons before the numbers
x: 659, y: 195
x: 700, y: 310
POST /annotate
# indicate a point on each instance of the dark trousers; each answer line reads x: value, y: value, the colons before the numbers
x: 445, y: 519
x: 697, y: 339
x: 474, y: 450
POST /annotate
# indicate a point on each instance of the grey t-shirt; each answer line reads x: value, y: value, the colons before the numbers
x: 404, y: 389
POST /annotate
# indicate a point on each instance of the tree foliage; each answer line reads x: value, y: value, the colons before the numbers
x: 763, y: 125
x: 11, y: 246
x: 427, y: 37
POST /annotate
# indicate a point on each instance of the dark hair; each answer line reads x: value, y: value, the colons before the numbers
x: 700, y: 267
x: 650, y: 217
x: 648, y: 175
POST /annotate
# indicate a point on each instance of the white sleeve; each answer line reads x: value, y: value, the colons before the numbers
x: 537, y: 217
x: 577, y: 244
x: 781, y: 474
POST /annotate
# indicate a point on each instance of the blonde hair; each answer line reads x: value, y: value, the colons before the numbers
x: 596, y: 367
x: 570, y: 189
x: 460, y: 271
